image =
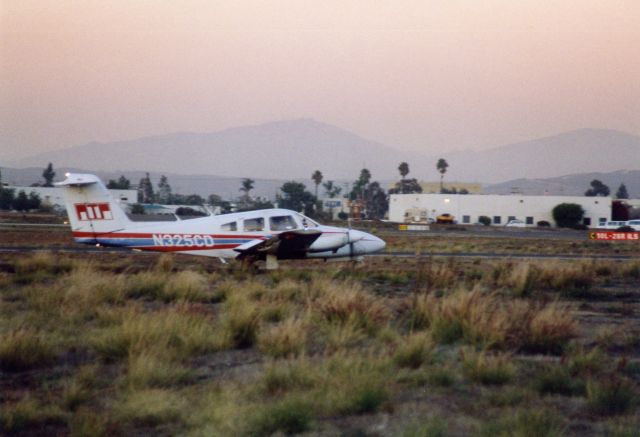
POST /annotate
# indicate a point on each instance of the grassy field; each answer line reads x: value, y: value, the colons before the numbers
x: 139, y: 344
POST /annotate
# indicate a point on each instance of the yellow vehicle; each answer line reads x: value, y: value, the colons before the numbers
x: 445, y: 218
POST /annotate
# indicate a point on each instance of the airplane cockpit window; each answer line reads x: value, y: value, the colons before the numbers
x: 282, y: 223
x: 307, y: 222
x: 229, y: 227
x: 254, y: 224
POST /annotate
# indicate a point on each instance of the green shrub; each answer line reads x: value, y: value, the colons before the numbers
x: 567, y: 215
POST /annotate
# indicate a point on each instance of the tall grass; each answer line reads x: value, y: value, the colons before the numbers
x: 284, y: 339
x: 351, y: 304
x: 40, y: 266
x: 487, y: 320
x: 610, y: 395
x: 150, y: 407
x: 179, y: 332
x: 25, y: 348
x: 487, y: 369
x: 27, y: 414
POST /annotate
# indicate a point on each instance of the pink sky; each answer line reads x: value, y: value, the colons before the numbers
x: 419, y: 75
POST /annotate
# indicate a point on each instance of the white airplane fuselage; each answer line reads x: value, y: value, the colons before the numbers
x: 97, y: 219
x: 205, y: 236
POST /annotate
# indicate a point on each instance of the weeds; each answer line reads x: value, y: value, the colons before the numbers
x: 486, y: 320
x: 610, y: 396
x: 25, y: 348
x: 148, y: 352
x: 150, y: 408
x: 28, y: 414
x: 558, y: 380
x: 176, y: 332
x: 284, y: 339
x: 487, y: 369
x: 413, y: 352
x: 525, y: 423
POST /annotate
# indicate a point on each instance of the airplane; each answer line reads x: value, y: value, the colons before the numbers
x: 263, y: 235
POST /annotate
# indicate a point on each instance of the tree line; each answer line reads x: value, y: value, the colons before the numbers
x: 366, y: 195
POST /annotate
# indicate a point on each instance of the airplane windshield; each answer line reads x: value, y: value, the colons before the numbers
x: 282, y: 223
x: 307, y: 222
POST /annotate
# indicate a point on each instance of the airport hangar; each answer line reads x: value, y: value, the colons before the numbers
x: 467, y: 208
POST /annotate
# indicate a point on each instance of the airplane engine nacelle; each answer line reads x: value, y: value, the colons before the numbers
x: 329, y: 242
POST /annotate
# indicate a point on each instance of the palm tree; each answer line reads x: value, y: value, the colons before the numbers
x: 247, y: 186
x: 442, y: 168
x: 331, y: 189
x: 404, y: 171
x: 317, y: 179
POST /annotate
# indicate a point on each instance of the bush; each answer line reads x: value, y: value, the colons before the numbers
x: 568, y: 215
x: 543, y: 224
x: 484, y: 220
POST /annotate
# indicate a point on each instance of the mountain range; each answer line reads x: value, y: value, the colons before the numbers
x: 293, y: 149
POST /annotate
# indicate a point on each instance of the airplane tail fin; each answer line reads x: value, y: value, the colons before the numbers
x: 90, y: 207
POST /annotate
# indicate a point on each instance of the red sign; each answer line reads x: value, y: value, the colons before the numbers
x: 93, y: 211
x: 614, y: 236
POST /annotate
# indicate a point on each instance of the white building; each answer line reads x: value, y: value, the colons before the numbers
x: 53, y: 195
x: 499, y: 208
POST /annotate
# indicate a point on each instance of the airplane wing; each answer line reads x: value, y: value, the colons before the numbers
x: 286, y: 245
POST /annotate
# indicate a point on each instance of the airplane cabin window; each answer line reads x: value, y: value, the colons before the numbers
x: 254, y: 224
x: 282, y: 223
x: 232, y: 226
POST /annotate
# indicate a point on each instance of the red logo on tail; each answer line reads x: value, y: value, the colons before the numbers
x: 93, y: 211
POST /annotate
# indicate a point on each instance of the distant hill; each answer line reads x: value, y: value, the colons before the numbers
x: 283, y: 150
x: 571, y: 185
x: 294, y: 149
x: 579, y: 151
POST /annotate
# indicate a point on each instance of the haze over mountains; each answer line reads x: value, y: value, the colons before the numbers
x: 294, y: 149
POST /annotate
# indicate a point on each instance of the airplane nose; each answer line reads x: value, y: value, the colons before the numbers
x: 378, y: 244
x: 373, y: 243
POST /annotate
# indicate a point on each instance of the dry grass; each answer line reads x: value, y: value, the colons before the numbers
x: 485, y: 368
x: 284, y: 339
x: 489, y: 321
x: 25, y: 348
x: 346, y: 304
x: 171, y: 350
x: 180, y: 331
